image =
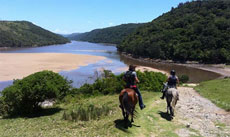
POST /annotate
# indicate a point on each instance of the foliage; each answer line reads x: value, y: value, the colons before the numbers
x: 151, y: 81
x: 148, y: 121
x: 112, y: 35
x: 183, y: 78
x: 24, y: 96
x: 110, y: 83
x: 26, y: 34
x: 86, y: 112
x: 194, y: 31
x: 218, y: 91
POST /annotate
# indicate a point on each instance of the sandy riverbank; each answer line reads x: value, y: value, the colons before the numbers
x: 143, y: 68
x: 19, y: 65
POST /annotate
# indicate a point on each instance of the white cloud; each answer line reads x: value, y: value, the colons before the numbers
x: 111, y: 24
x: 59, y: 31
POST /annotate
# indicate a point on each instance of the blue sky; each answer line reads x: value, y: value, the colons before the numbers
x: 68, y: 16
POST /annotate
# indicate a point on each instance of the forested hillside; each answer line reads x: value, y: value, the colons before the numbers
x: 26, y: 34
x: 194, y: 31
x: 112, y: 35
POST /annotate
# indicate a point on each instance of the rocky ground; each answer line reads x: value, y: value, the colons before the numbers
x: 201, y: 116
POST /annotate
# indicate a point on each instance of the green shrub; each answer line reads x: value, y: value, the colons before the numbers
x: 3, y: 107
x: 183, y: 78
x: 110, y: 83
x: 24, y: 96
x: 86, y: 112
x: 152, y: 81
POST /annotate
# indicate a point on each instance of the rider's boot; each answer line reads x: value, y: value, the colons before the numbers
x: 163, y: 96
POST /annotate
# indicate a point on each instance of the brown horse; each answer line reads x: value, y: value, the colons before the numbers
x: 128, y: 100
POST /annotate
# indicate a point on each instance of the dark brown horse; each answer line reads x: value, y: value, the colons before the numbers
x: 128, y: 100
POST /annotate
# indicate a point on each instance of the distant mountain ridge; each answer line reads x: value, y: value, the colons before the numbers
x: 113, y: 35
x: 194, y: 31
x: 72, y: 36
x: 26, y: 34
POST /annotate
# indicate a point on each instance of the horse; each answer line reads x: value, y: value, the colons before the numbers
x: 172, y: 96
x: 128, y: 100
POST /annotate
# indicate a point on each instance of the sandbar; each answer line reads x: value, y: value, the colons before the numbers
x: 143, y: 68
x: 19, y: 65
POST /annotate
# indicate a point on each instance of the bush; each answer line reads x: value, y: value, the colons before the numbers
x: 183, y: 78
x: 152, y: 81
x: 110, y: 83
x: 24, y: 96
x: 107, y: 84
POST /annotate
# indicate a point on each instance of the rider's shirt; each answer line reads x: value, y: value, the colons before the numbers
x: 172, y: 81
x: 130, y: 77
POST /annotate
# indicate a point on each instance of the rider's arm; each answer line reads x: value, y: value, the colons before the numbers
x: 178, y: 82
x: 123, y: 78
x: 167, y: 80
x: 137, y: 80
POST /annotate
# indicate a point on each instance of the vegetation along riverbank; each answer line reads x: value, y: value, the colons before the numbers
x: 194, y: 31
x: 26, y: 34
x: 92, y: 110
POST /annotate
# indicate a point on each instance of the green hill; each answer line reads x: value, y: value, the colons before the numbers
x: 194, y: 31
x: 26, y: 34
x: 112, y: 35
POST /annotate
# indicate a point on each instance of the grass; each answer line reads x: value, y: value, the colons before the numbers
x: 152, y: 121
x: 218, y: 91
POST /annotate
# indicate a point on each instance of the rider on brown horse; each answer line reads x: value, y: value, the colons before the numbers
x: 131, y: 79
x: 172, y: 81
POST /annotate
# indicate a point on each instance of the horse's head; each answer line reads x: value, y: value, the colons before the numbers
x: 165, y: 87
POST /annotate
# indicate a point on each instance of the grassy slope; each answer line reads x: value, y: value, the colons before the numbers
x: 26, y: 34
x: 218, y: 91
x: 150, y: 121
x: 112, y: 35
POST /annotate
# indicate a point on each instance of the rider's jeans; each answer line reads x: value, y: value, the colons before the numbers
x: 139, y: 97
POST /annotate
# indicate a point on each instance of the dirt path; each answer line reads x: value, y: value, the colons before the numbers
x: 195, y: 116
x: 200, y: 115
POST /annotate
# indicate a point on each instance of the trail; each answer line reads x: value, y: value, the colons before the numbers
x: 195, y: 116
x: 202, y: 115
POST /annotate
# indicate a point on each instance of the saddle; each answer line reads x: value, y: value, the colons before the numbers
x: 133, y: 88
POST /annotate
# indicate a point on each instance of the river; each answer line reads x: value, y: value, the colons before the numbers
x: 113, y: 62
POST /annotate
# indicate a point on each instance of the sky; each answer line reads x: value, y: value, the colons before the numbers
x: 71, y: 16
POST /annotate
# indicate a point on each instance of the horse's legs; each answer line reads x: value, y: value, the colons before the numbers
x: 132, y: 114
x: 171, y: 111
x: 123, y: 111
x: 127, y: 116
x: 124, y: 114
x: 168, y: 106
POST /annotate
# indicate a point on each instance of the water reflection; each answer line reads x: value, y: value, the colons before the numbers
x: 195, y: 75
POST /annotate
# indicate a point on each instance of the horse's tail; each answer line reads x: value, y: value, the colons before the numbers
x: 174, y: 98
x: 126, y: 104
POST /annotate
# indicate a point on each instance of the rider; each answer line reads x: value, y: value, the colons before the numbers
x: 131, y: 79
x: 172, y: 81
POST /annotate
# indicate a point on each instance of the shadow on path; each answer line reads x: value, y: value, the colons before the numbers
x: 124, y: 125
x: 39, y: 113
x: 165, y: 115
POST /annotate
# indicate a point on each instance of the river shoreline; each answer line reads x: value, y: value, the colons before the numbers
x: 220, y: 69
x: 19, y: 65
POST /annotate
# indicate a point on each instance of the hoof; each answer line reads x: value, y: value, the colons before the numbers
x: 132, y: 120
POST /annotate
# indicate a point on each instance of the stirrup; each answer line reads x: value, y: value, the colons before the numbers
x: 142, y: 107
